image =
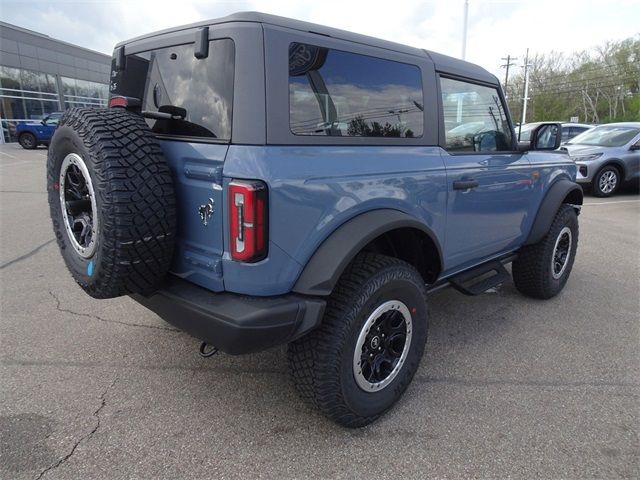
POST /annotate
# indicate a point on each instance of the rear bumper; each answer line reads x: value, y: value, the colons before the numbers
x: 236, y: 324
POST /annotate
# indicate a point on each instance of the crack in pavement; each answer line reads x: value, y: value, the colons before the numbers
x: 87, y: 437
x: 26, y: 255
x: 107, y: 320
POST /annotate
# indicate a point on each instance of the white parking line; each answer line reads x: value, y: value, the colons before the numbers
x: 10, y: 156
x: 611, y: 203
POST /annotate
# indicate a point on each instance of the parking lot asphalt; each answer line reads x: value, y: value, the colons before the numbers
x: 509, y: 386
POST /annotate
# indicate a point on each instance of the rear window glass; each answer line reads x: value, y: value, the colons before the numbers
x: 169, y: 79
x: 338, y: 93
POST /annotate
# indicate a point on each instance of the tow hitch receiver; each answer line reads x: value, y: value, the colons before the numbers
x: 207, y: 350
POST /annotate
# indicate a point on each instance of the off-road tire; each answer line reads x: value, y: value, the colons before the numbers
x: 595, y: 186
x: 134, y: 195
x: 321, y: 362
x: 28, y: 141
x: 532, y: 270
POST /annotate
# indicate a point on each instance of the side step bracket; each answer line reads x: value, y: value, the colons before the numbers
x: 480, y: 279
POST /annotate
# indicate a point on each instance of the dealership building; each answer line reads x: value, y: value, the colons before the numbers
x: 40, y: 75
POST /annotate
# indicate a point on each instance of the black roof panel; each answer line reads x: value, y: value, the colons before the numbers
x: 442, y: 62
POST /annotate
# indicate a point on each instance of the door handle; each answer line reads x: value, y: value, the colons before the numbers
x: 465, y: 184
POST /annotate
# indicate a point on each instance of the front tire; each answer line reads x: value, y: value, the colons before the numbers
x: 542, y: 270
x: 28, y: 141
x: 607, y: 181
x: 360, y: 361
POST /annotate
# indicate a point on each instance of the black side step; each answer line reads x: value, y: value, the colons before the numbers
x: 476, y: 281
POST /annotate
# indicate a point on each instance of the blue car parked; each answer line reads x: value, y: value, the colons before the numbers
x: 32, y: 134
x: 258, y: 181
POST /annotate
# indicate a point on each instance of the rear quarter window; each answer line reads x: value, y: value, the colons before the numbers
x: 171, y: 77
x: 337, y: 93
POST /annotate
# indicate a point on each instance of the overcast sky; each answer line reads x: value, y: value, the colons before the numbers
x: 496, y: 27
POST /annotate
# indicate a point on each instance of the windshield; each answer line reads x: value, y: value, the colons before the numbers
x: 606, y: 136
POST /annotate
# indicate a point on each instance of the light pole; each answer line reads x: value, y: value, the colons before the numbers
x: 464, y: 30
x: 526, y: 93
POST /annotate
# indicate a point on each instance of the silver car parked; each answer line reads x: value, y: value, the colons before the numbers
x: 607, y: 156
x: 567, y: 130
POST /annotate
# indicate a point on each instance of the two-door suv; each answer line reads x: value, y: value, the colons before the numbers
x: 259, y: 181
x: 32, y: 134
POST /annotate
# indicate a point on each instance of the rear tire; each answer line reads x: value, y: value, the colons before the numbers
x: 28, y: 141
x: 542, y: 270
x: 112, y: 201
x: 352, y: 378
x: 607, y: 181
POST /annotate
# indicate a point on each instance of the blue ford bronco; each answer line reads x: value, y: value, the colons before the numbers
x: 258, y: 181
x: 32, y: 134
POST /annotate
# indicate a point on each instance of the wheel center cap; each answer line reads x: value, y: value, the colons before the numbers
x: 375, y: 342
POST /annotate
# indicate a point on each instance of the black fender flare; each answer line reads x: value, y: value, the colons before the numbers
x: 555, y: 197
x: 326, y: 265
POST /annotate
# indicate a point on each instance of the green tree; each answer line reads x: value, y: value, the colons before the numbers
x: 597, y: 85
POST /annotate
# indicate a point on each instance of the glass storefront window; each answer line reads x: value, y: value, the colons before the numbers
x: 27, y: 95
x: 82, y: 93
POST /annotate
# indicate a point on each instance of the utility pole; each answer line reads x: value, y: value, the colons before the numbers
x: 506, y: 76
x: 525, y: 98
x: 464, y: 30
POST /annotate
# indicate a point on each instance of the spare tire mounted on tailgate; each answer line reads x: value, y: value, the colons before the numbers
x: 112, y: 201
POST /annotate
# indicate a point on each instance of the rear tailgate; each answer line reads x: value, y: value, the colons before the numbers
x: 197, y: 173
x: 187, y: 102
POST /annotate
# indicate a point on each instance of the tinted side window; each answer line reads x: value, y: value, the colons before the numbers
x: 479, y: 117
x: 172, y: 77
x: 338, y: 93
x: 53, y: 119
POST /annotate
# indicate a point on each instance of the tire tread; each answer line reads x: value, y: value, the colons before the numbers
x: 314, y: 360
x: 135, y: 186
x: 531, y: 269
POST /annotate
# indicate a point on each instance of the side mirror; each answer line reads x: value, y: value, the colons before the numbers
x: 546, y: 136
x: 43, y: 121
x: 635, y: 146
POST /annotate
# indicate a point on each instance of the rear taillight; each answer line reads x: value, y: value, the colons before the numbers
x: 124, y: 102
x: 248, y: 203
x: 118, y: 102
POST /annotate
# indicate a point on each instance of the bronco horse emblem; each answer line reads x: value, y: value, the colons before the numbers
x: 206, y: 211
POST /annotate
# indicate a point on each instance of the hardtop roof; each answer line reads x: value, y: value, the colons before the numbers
x: 442, y: 62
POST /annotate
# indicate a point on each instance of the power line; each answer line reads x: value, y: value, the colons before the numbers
x: 560, y: 88
x: 591, y: 82
x: 578, y: 70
